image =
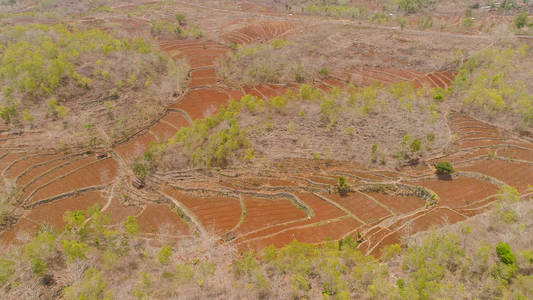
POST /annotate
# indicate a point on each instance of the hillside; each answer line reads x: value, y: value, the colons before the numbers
x: 265, y: 149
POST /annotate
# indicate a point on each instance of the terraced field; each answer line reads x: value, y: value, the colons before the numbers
x: 282, y: 205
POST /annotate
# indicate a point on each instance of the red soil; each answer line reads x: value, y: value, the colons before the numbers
x: 36, y: 171
x: 119, y: 212
x: 176, y: 119
x: 485, y: 143
x: 160, y: 219
x: 321, y: 208
x: 360, y: 205
x: 202, y: 102
x: 163, y: 131
x: 460, y: 191
x: 399, y: 204
x: 52, y: 213
x: 9, y: 158
x: 63, y: 169
x: 252, y: 91
x: 18, y: 234
x: 518, y: 175
x: 323, y: 179
x: 437, y: 217
x: 464, y: 156
x: 203, y: 82
x: 20, y: 166
x: 99, y: 173
x: 521, y: 154
x: 269, y: 91
x: 262, y: 212
x: 210, y: 72
x: 258, y: 32
x: 218, y: 213
x: 310, y: 234
x: 202, y: 61
x: 131, y: 149
x: 235, y: 94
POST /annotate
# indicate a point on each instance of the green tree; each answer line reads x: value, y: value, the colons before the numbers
x: 444, y: 168
x: 505, y: 255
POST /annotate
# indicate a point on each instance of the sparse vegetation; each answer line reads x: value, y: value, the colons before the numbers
x: 342, y: 188
x: 65, y: 68
x: 276, y: 62
x: 493, y: 84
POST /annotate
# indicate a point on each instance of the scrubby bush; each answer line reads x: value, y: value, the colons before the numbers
x: 444, y: 168
x: 521, y: 20
x: 164, y: 255
x: 342, y: 188
x: 412, y: 6
x: 415, y: 145
x: 92, y: 286
x: 276, y: 62
x: 6, y: 270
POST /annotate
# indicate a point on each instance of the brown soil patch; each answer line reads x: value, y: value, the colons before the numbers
x: 200, y: 82
x: 522, y: 154
x: 211, y: 72
x: 310, y: 234
x: 518, y: 175
x: 119, y: 212
x: 9, y: 158
x: 252, y: 91
x: 262, y: 212
x: 136, y: 146
x: 258, y: 32
x: 21, y: 165
x: 52, y: 213
x: 56, y: 173
x: 176, y: 119
x: 202, y: 102
x: 160, y: 219
x: 361, y: 206
x: 99, y: 173
x: 36, y: 171
x: 399, y: 204
x: 460, y: 191
x: 218, y: 213
x: 19, y: 233
x: 322, y: 209
x: 437, y: 217
x: 163, y: 131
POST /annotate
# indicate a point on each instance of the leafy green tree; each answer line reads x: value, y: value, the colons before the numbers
x: 74, y: 250
x: 505, y: 255
x: 444, y: 168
